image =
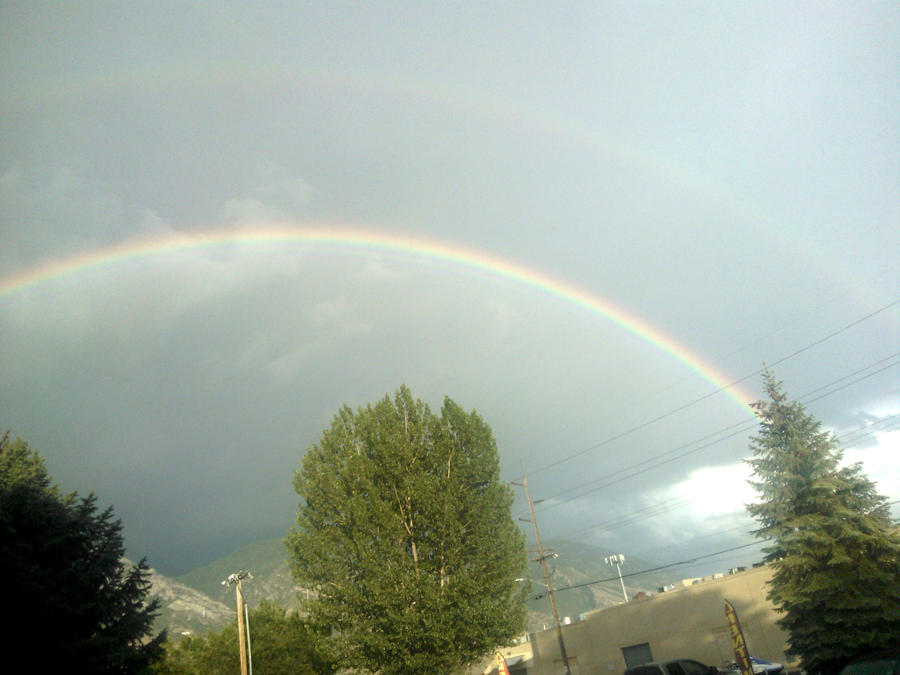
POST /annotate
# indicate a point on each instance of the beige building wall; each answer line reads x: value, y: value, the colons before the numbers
x: 686, y: 622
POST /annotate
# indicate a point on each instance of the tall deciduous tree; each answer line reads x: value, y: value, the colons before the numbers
x: 74, y: 605
x: 835, y: 557
x: 405, y: 535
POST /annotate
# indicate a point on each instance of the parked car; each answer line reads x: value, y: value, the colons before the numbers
x: 675, y: 667
x: 761, y: 667
x: 879, y: 663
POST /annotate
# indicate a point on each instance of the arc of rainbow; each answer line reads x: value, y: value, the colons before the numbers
x: 365, y: 239
x: 152, y: 79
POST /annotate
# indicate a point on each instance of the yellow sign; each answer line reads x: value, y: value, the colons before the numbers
x: 741, y: 655
x: 501, y: 665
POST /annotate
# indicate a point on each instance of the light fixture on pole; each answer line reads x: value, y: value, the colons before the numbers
x: 617, y: 559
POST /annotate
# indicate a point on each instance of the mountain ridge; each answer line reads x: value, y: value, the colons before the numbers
x: 576, y: 564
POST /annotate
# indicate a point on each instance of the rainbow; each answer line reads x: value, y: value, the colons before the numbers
x: 299, y: 79
x: 444, y: 252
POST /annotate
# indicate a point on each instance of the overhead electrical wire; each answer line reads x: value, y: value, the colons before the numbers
x: 666, y: 506
x: 881, y: 426
x: 746, y: 527
x: 741, y: 427
x: 689, y: 561
x: 684, y: 406
x: 666, y: 461
x: 637, y: 470
x: 646, y: 513
x: 683, y: 562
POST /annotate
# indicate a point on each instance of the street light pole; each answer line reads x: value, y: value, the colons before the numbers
x: 543, y: 559
x: 616, y: 559
x: 242, y: 630
x: 236, y: 580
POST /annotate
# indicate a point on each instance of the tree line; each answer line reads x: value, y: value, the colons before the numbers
x: 405, y: 537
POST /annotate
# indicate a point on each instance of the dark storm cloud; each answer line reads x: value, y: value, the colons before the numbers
x: 725, y: 175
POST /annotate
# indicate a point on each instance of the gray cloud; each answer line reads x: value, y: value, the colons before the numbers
x: 726, y: 177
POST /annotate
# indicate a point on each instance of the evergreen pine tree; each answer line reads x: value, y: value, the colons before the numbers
x: 834, y: 553
x: 20, y: 465
x: 405, y: 534
x: 77, y: 606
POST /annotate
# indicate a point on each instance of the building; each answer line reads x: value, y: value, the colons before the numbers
x: 686, y: 622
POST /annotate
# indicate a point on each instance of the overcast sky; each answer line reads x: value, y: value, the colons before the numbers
x: 579, y: 221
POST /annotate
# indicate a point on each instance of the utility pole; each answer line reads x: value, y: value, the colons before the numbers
x: 243, y: 623
x: 543, y: 559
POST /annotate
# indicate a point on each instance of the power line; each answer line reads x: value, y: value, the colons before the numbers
x: 660, y: 567
x: 681, y: 562
x: 849, y: 375
x: 831, y: 335
x: 884, y: 424
x: 693, y: 402
x: 742, y: 526
x: 860, y: 379
x: 742, y: 427
x: 745, y: 426
x: 651, y: 511
x: 666, y: 506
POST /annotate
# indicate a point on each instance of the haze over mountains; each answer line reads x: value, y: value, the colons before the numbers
x: 198, y: 601
x: 183, y: 609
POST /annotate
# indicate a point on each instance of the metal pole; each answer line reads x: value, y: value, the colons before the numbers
x: 619, y: 570
x: 249, y: 651
x: 543, y: 559
x: 616, y: 559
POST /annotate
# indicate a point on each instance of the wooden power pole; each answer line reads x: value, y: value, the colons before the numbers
x: 543, y: 559
x: 236, y: 580
x: 242, y: 629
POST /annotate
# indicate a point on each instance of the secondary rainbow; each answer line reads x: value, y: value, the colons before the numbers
x: 380, y: 241
x: 300, y: 78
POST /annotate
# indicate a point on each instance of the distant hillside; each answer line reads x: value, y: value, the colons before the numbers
x: 185, y: 609
x: 266, y: 560
x: 578, y: 564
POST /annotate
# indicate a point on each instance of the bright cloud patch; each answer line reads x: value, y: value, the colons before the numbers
x: 880, y: 463
x: 715, y: 490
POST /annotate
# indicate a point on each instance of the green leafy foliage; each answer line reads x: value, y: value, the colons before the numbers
x: 835, y: 556
x: 20, y: 465
x: 404, y: 534
x: 280, y: 642
x: 77, y: 606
